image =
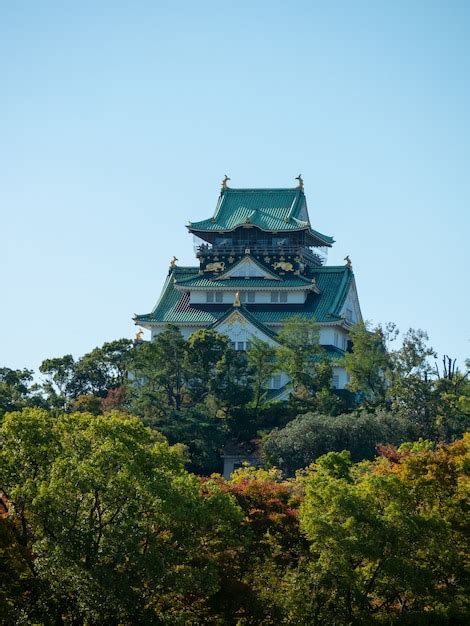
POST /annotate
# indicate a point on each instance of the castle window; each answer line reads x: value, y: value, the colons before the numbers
x: 336, y: 340
x: 248, y: 345
x: 250, y: 296
x: 344, y: 342
x: 209, y: 296
x: 278, y: 296
x: 240, y: 345
x: 335, y: 381
x: 219, y: 296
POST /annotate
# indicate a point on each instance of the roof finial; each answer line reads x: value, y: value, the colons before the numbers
x: 224, y: 182
x: 348, y: 261
x: 138, y: 335
x: 236, y: 300
x: 301, y: 182
x: 173, y: 262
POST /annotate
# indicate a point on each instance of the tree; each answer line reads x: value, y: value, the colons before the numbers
x: 17, y: 583
x: 119, y: 530
x: 307, y: 365
x: 387, y: 540
x: 232, y: 385
x: 158, y: 375
x: 104, y: 368
x: 261, y: 361
x: 368, y: 364
x: 298, y: 355
x: 61, y: 384
x: 411, y: 391
x: 269, y: 542
x: 17, y: 390
x: 311, y: 435
x: 205, y: 350
x: 202, y: 433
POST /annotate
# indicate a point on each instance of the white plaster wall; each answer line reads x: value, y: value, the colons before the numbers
x: 352, y: 303
x: 261, y: 297
x: 187, y: 331
x: 327, y: 337
x: 342, y: 377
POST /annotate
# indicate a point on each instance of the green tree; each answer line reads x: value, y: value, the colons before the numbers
x: 61, y: 384
x: 18, y: 390
x: 119, y: 530
x: 368, y: 365
x: 387, y: 540
x: 261, y: 361
x: 205, y: 350
x: 232, y: 386
x: 269, y: 543
x: 306, y: 363
x: 311, y: 435
x: 158, y: 375
x: 104, y: 368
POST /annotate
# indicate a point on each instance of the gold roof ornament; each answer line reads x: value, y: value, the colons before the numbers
x: 301, y: 182
x: 236, y: 300
x: 224, y: 182
x: 348, y: 261
x: 139, y: 334
x: 173, y: 262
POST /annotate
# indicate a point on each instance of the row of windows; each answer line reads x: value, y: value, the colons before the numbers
x: 278, y: 296
x: 246, y: 296
x: 212, y: 296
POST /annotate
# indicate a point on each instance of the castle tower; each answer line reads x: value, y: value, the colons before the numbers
x: 260, y: 262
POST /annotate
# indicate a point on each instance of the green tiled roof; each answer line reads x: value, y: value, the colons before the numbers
x: 173, y: 306
x: 278, y: 210
x: 243, y: 283
x: 333, y: 283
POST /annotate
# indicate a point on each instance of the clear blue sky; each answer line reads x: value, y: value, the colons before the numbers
x: 119, y: 119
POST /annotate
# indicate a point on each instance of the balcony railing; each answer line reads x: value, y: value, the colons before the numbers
x: 318, y: 257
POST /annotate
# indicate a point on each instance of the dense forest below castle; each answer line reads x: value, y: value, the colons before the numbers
x: 113, y: 510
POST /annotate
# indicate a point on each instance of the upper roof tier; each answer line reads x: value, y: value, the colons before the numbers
x: 271, y: 210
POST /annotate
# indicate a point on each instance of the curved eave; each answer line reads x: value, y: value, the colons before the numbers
x: 192, y: 228
x: 323, y: 240
x: 247, y: 287
x: 316, y: 238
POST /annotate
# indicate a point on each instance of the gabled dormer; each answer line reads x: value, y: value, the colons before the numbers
x: 248, y: 267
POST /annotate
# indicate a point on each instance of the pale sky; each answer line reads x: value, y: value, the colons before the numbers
x: 118, y: 121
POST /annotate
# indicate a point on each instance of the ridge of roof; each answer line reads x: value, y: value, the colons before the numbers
x: 240, y: 282
x: 342, y: 291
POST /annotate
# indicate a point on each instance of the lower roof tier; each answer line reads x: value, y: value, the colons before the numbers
x: 322, y: 305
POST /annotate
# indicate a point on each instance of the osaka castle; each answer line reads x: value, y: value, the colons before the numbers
x: 259, y: 263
